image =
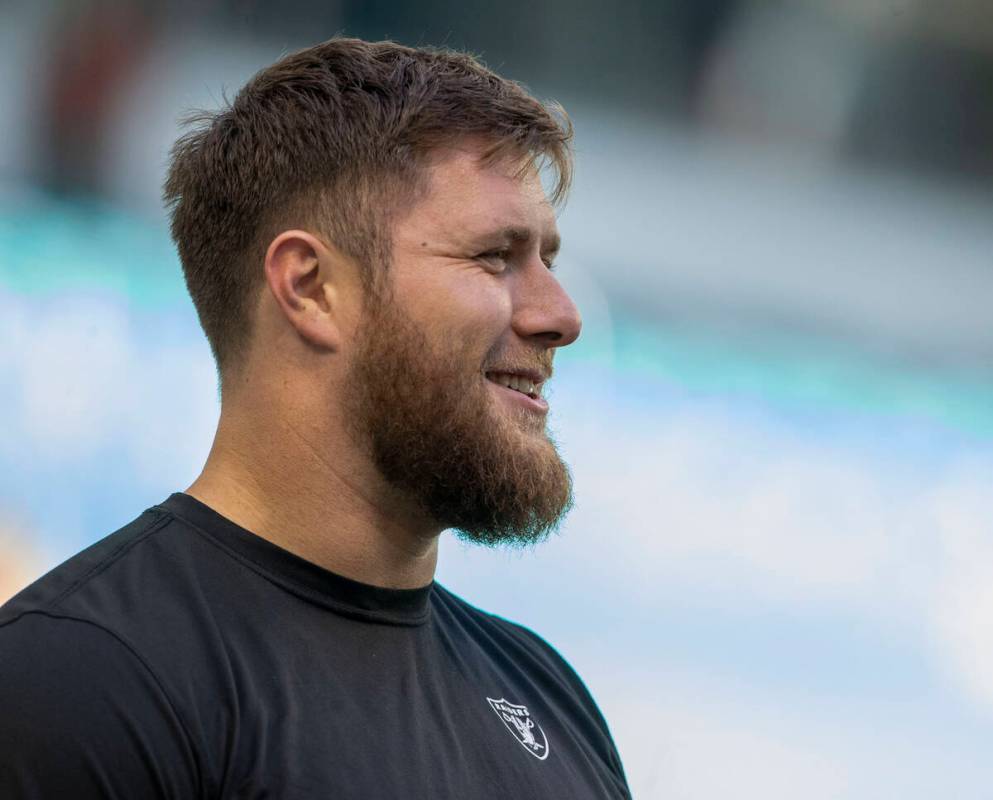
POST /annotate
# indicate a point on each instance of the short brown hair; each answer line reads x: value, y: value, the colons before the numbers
x: 334, y: 137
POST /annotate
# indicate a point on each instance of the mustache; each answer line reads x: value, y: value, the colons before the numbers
x: 540, y: 363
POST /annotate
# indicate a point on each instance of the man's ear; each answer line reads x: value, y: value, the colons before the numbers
x: 305, y: 277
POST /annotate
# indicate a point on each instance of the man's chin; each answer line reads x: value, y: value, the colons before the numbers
x: 517, y: 418
x: 523, y: 502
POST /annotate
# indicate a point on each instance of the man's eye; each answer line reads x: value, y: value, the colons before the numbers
x: 495, y: 257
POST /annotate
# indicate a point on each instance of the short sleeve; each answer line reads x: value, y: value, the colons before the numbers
x: 82, y: 716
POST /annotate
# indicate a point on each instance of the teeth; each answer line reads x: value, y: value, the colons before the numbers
x: 516, y: 382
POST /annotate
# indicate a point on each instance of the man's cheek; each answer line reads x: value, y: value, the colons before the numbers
x: 489, y: 312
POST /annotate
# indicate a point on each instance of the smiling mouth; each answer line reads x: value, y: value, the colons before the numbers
x: 518, y: 383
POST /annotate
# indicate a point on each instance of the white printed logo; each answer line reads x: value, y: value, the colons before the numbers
x: 518, y: 721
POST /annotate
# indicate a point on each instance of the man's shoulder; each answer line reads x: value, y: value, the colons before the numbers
x: 161, y: 585
x: 514, y: 649
x: 458, y: 606
x: 75, y: 659
x: 150, y: 585
x: 509, y: 641
x: 130, y: 623
x: 59, y: 591
x: 58, y: 618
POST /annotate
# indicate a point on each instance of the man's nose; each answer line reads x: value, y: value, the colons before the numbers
x: 543, y: 310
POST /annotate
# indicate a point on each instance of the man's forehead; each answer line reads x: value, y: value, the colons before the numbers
x: 467, y: 198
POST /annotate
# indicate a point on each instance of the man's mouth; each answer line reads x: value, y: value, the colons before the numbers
x: 519, y: 383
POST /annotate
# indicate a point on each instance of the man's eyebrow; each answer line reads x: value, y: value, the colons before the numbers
x: 513, y: 234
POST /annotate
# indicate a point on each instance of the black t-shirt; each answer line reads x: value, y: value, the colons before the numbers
x: 184, y: 657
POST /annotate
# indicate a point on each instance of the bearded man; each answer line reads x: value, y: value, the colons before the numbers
x: 366, y: 238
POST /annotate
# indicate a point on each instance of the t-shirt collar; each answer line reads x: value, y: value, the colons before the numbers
x: 296, y: 574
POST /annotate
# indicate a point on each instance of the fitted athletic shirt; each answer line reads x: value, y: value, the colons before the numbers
x: 185, y: 657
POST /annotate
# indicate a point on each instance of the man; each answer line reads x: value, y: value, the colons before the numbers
x: 366, y: 239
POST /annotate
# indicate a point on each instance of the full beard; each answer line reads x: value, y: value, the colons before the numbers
x: 435, y: 434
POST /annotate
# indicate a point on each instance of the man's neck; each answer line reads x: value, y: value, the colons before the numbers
x: 331, y: 508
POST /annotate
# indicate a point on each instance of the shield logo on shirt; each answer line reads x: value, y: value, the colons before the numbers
x: 517, y: 719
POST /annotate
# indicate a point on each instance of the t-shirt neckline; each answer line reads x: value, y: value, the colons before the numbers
x: 292, y: 572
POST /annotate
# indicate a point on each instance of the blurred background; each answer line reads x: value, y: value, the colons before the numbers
x: 778, y: 578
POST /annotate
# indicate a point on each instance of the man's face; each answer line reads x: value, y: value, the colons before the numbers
x: 449, y: 368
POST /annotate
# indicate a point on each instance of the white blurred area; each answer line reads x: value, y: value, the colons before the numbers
x: 777, y: 577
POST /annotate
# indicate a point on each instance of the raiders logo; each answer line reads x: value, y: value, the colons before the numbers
x: 517, y: 719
